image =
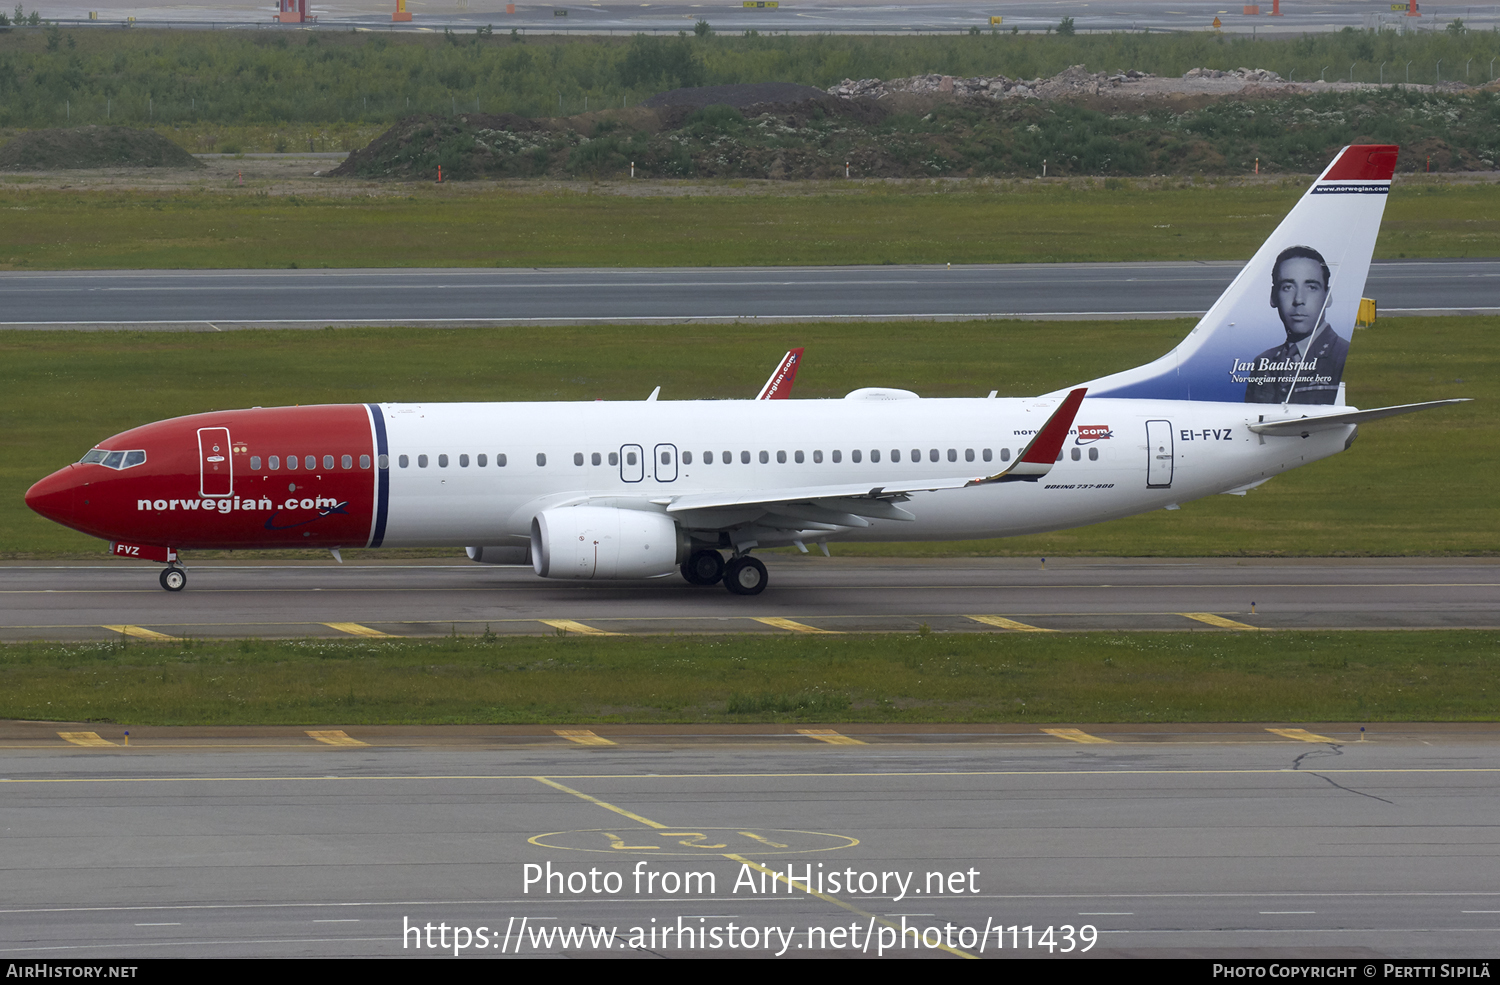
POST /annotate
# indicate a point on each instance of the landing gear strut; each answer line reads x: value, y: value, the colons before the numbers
x: 173, y: 578
x: 745, y: 575
x: 703, y: 568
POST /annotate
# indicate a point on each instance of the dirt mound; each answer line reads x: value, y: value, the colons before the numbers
x: 93, y: 147
x: 464, y: 146
x: 739, y: 96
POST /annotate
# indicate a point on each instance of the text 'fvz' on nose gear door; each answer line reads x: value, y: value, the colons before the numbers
x: 1158, y: 454
x: 665, y: 463
x: 215, y: 463
x: 632, y: 463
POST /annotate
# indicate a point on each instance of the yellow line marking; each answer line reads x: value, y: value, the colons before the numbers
x: 145, y: 634
x: 1075, y: 735
x: 335, y: 737
x: 618, y: 843
x: 1219, y: 621
x: 1005, y: 623
x: 85, y: 739
x: 583, y: 737
x: 1300, y: 734
x: 829, y: 736
x: 595, y: 800
x: 762, y: 839
x: 569, y: 626
x: 781, y: 877
x: 793, y: 625
x: 355, y: 629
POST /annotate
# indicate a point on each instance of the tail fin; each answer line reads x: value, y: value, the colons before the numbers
x: 779, y: 386
x: 1280, y: 333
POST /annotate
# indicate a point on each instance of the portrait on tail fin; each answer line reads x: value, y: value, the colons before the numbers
x: 1307, y: 367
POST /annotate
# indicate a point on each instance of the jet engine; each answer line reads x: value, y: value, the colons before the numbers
x: 595, y: 542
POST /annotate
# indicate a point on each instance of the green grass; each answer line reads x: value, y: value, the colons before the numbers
x: 1422, y: 484
x: 969, y: 222
x: 1092, y: 677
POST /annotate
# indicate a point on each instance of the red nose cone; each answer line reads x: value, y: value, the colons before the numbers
x: 54, y: 497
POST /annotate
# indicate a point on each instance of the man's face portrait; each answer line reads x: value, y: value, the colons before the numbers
x: 1299, y: 293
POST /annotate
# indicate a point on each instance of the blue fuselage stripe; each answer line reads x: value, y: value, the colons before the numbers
x: 383, y: 482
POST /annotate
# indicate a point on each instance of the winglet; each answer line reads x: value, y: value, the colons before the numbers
x: 1038, y: 457
x: 779, y: 386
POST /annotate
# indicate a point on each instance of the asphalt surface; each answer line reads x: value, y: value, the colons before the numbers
x: 1223, y: 842
x: 216, y: 300
x: 814, y: 594
x: 796, y: 16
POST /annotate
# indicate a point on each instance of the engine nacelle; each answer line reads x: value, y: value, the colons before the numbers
x: 507, y: 554
x: 597, y: 542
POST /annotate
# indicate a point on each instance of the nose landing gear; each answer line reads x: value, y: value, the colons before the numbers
x: 173, y: 578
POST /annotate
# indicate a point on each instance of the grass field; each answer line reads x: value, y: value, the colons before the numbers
x: 1093, y: 677
x: 1422, y: 484
x: 941, y: 222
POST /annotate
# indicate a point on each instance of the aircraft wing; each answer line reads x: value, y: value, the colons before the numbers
x: 849, y: 505
x: 779, y: 386
x: 1303, y: 426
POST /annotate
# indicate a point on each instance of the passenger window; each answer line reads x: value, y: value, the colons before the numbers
x: 687, y: 458
x: 327, y: 463
x: 255, y: 463
x: 500, y: 461
x: 727, y: 457
x: 780, y: 458
x: 541, y: 459
x: 311, y: 461
x: 275, y: 462
x: 442, y: 461
x: 708, y: 458
x: 916, y: 455
x: 347, y: 462
x: 666, y: 458
x: 481, y: 461
x: 968, y: 454
x: 1093, y: 454
x: 578, y: 458
x: 630, y: 458
x: 614, y: 458
x: 403, y: 461
x: 744, y: 458
x: 765, y: 458
x: 136, y: 458
x: 1076, y: 454
x: 817, y: 457
x: 463, y: 461
x: 986, y: 454
x: 1004, y: 454
x: 797, y: 457
x: 291, y: 461
x: 382, y: 462
x: 421, y: 461
x: 594, y: 459
x: 855, y: 455
x: 364, y: 461
x: 953, y: 455
x: 838, y: 456
x: 895, y: 455
x: 875, y: 455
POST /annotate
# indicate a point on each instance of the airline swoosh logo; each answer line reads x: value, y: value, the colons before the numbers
x: 340, y: 509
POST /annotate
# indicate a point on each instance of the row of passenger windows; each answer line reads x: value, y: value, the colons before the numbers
x: 310, y: 462
x: 709, y: 457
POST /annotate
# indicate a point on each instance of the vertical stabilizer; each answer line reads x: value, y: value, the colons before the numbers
x: 1280, y: 333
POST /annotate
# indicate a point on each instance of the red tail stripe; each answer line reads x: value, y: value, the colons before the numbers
x: 1364, y: 162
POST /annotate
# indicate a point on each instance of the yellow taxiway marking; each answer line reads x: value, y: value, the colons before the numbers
x: 793, y: 625
x: 1219, y: 621
x: 85, y: 739
x: 335, y: 737
x: 1075, y: 735
x: 355, y: 629
x: 569, y: 626
x: 583, y: 737
x: 829, y: 736
x: 140, y: 633
x: 1300, y: 734
x: 595, y: 800
x: 1005, y: 623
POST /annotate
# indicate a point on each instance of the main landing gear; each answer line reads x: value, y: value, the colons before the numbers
x: 174, y: 578
x: 742, y: 575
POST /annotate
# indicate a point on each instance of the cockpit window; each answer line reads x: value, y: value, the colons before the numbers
x: 113, y: 459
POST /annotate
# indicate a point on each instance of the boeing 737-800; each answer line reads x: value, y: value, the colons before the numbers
x: 645, y: 489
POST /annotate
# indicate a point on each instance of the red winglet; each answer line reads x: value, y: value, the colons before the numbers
x: 779, y: 386
x: 1037, y: 458
x: 1364, y: 162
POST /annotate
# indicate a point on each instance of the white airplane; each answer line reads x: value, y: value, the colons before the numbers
x: 616, y: 490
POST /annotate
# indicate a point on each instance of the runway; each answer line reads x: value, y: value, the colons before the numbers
x: 70, y: 601
x: 217, y: 300
x: 1184, y: 842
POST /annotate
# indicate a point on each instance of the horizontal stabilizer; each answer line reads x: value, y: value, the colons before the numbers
x: 1303, y: 426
